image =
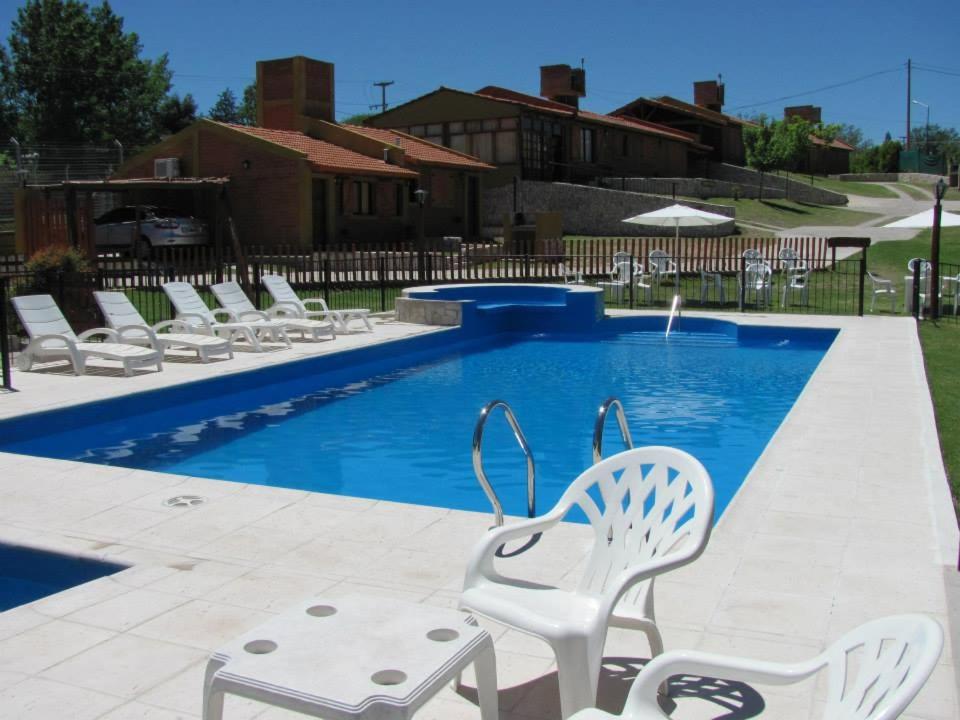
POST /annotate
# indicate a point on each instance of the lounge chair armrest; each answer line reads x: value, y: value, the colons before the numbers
x: 172, y: 325
x: 701, y: 664
x: 285, y: 308
x: 480, y: 563
x: 39, y: 339
x: 231, y: 315
x: 141, y: 329
x: 111, y: 335
x: 198, y: 321
x: 251, y: 315
x: 315, y: 301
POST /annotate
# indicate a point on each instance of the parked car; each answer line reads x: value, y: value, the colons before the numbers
x: 159, y: 227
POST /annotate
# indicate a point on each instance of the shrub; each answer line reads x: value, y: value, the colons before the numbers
x: 57, y: 257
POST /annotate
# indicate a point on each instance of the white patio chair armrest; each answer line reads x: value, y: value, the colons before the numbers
x: 231, y: 315
x: 284, y: 309
x: 111, y: 335
x: 40, y: 339
x: 480, y: 563
x: 724, y: 667
x: 315, y: 301
x: 195, y: 320
x: 248, y: 315
x: 174, y: 325
x: 142, y: 329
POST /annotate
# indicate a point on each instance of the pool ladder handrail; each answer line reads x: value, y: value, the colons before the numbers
x: 674, y: 312
x: 478, y: 460
x: 600, y: 424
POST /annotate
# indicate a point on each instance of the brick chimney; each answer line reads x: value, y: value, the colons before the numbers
x: 708, y: 94
x: 810, y: 113
x: 563, y: 84
x: 293, y: 86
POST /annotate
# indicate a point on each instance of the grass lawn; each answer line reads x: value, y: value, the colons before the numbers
x: 940, y: 342
x: 785, y: 214
x: 864, y: 189
x: 915, y: 191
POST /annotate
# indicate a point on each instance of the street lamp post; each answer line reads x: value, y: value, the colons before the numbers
x: 938, y: 191
x: 421, y: 196
x: 926, y: 132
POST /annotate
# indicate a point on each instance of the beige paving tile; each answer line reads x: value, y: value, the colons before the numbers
x: 269, y: 590
x: 183, y: 694
x: 201, y: 624
x: 40, y: 699
x: 140, y: 711
x: 128, y: 610
x: 47, y: 644
x: 15, y: 621
x: 795, y: 616
x: 125, y: 665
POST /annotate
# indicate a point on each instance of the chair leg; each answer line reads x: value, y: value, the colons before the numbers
x: 578, y: 672
x: 212, y: 695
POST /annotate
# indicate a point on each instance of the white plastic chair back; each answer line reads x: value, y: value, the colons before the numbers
x: 280, y: 290
x: 875, y: 670
x: 752, y: 255
x: 40, y: 315
x: 660, y: 262
x: 925, y: 268
x: 231, y: 296
x: 621, y: 256
x: 621, y: 272
x: 119, y: 312
x: 186, y: 301
x: 788, y: 258
x: 642, y: 504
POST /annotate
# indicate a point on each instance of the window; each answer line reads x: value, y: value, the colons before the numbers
x: 507, y: 146
x: 435, y: 129
x: 399, y: 199
x: 490, y: 124
x: 459, y: 143
x: 418, y: 130
x: 363, y: 198
x: 483, y: 146
x: 474, y: 126
x: 587, y: 143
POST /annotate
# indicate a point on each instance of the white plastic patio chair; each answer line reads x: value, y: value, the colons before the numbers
x: 52, y: 338
x: 192, y: 310
x: 883, y: 287
x: 122, y: 316
x: 284, y: 297
x: 758, y: 279
x: 711, y: 281
x: 231, y: 296
x: 661, y: 265
x: 651, y: 511
x: 926, y: 267
x: 790, y: 260
x: 950, y: 287
x: 873, y: 672
x: 620, y: 277
x: 796, y: 281
x: 570, y: 276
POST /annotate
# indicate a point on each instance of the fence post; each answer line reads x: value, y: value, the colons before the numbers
x: 382, y: 272
x: 257, y: 285
x: 326, y: 277
x: 743, y: 282
x: 917, y: 265
x: 863, y: 278
x: 4, y: 333
x: 633, y: 261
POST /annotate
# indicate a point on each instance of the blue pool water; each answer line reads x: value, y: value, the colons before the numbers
x: 400, y: 428
x: 27, y: 574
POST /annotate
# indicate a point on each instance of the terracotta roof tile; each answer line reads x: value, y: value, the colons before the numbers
x: 420, y: 151
x: 325, y: 156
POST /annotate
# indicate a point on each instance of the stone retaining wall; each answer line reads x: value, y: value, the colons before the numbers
x: 918, y: 178
x: 429, y: 312
x: 792, y: 189
x: 691, y: 187
x: 594, y: 211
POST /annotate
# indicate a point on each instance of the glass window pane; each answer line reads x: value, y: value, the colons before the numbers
x: 459, y: 143
x: 456, y: 127
x: 483, y: 146
x: 474, y: 125
x: 508, y: 123
x: 435, y: 129
x: 491, y: 124
x: 507, y: 146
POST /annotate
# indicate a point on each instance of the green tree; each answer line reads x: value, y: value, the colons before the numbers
x: 357, y: 119
x: 73, y: 74
x: 888, y: 156
x: 853, y: 136
x: 175, y: 114
x: 942, y: 141
x: 247, y: 112
x: 225, y: 108
x: 763, y: 143
x: 793, y: 136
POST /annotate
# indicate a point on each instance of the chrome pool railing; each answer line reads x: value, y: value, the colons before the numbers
x: 605, y: 406
x: 478, y: 460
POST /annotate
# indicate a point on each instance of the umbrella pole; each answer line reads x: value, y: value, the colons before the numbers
x: 676, y: 274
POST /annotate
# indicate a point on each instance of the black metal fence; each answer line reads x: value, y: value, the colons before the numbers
x: 767, y: 280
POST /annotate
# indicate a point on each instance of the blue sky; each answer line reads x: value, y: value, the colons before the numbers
x: 764, y: 50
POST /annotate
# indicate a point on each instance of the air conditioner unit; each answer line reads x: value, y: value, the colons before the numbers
x: 166, y: 167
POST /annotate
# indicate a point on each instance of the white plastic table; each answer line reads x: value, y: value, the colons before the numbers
x: 353, y: 657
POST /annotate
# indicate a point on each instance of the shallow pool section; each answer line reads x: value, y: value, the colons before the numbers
x: 400, y: 428
x: 27, y: 574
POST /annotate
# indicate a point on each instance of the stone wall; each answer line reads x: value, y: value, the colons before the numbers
x: 690, y: 187
x: 429, y: 312
x: 593, y: 210
x: 918, y: 178
x: 794, y: 190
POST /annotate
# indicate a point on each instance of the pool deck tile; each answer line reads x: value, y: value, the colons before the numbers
x: 846, y: 516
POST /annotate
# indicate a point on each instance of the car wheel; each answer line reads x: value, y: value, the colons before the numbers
x: 144, y: 249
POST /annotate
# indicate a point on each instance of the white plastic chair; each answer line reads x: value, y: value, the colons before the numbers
x: 122, y: 316
x: 570, y: 277
x: 950, y: 287
x: 882, y: 286
x: 926, y: 267
x: 231, y: 296
x: 651, y: 511
x: 192, y: 310
x: 873, y: 672
x: 661, y: 265
x: 284, y: 297
x: 620, y: 277
x: 796, y: 280
x: 758, y: 279
x: 52, y: 338
x: 711, y: 281
x: 790, y: 260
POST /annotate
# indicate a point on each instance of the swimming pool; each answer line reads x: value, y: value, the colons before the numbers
x: 28, y: 574
x: 396, y: 423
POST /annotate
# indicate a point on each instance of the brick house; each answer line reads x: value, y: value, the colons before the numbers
x: 544, y: 138
x: 299, y: 178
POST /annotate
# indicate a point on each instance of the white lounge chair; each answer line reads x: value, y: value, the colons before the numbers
x: 284, y: 297
x: 655, y: 515
x: 192, y: 310
x: 871, y: 673
x: 52, y: 338
x: 231, y: 296
x: 122, y: 316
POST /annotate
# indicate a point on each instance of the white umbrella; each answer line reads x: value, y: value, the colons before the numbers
x: 925, y: 220
x: 678, y: 215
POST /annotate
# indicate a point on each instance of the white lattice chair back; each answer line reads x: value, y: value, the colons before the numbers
x: 660, y: 261
x: 752, y: 255
x: 642, y: 504
x: 186, y: 300
x: 621, y: 272
x: 875, y: 670
x: 40, y: 315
